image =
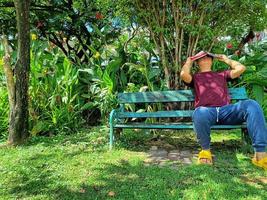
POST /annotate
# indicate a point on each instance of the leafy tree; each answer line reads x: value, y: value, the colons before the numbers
x: 179, y: 29
x: 78, y: 27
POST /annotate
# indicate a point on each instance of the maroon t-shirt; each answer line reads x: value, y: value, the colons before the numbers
x: 211, y: 88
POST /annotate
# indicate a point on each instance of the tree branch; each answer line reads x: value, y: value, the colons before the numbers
x: 9, y: 73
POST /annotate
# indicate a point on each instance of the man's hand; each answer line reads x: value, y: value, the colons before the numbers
x: 222, y: 57
x: 189, y: 61
x: 185, y: 72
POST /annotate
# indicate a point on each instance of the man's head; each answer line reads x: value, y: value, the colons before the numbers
x: 204, y: 60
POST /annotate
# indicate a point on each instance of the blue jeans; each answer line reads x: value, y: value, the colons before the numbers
x: 248, y: 111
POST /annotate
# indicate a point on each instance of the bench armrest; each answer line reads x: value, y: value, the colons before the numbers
x: 112, y: 116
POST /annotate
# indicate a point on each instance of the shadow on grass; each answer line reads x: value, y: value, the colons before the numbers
x: 189, y: 182
x: 44, y: 180
x: 126, y: 180
x: 96, y: 139
x: 230, y: 178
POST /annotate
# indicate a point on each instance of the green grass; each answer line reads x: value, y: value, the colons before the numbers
x: 79, y: 166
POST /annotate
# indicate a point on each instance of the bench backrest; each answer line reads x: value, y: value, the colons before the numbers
x: 172, y: 96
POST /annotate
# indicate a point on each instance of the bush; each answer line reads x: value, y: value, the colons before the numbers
x: 4, y: 109
x: 54, y: 92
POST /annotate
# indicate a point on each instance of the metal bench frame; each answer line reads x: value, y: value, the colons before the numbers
x: 118, y: 116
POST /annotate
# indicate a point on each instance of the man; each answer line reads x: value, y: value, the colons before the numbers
x: 212, y: 105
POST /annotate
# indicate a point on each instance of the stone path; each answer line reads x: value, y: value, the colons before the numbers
x: 172, y: 158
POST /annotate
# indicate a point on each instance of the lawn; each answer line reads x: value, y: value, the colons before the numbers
x: 80, y: 166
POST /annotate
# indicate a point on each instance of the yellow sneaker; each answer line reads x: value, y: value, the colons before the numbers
x: 205, y: 154
x: 260, y: 163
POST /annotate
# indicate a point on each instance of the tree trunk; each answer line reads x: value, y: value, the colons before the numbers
x: 18, y: 117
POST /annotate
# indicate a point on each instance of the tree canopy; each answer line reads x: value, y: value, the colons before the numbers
x: 179, y: 29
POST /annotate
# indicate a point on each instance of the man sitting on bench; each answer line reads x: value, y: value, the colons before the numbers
x: 212, y: 105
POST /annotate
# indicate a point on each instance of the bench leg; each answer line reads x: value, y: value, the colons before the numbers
x: 111, y: 137
x: 245, y: 136
x: 111, y: 128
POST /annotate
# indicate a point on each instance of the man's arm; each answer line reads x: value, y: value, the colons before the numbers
x: 237, y: 67
x: 185, y: 72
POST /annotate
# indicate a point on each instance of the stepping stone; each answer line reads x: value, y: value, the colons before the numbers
x: 185, y: 153
x: 175, y: 152
x: 187, y: 161
x: 153, y: 148
x: 163, y: 159
x: 159, y: 153
x: 150, y: 160
x: 174, y: 156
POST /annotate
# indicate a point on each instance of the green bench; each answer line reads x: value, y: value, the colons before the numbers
x: 118, y: 116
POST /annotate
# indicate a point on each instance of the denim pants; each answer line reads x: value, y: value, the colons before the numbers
x: 248, y: 111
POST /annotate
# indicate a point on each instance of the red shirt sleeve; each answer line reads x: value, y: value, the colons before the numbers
x: 227, y: 75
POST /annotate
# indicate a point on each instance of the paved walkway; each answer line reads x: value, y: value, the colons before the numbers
x: 171, y: 158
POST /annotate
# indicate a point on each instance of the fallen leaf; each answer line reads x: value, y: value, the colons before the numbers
x: 82, y: 190
x: 111, y: 193
x: 263, y: 180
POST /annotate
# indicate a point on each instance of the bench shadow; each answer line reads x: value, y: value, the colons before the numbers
x: 141, y: 140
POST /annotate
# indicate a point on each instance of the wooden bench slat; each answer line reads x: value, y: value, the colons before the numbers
x: 158, y: 114
x: 174, y: 126
x: 238, y: 93
x: 172, y: 96
x: 164, y: 96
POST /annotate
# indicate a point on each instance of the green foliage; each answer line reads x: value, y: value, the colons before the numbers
x: 4, y: 106
x: 74, y: 26
x: 7, y: 18
x: 122, y: 66
x: 4, y: 109
x: 100, y: 86
x: 54, y: 91
x: 101, y: 60
x: 61, y: 94
x: 77, y: 27
x: 256, y: 62
x: 255, y: 77
x: 142, y: 70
